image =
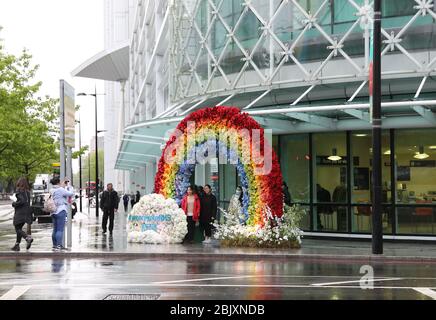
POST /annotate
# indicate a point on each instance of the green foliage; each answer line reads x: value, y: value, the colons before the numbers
x: 88, y: 167
x: 81, y: 152
x: 27, y: 122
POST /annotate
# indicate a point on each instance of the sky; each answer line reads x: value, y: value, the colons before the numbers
x: 61, y: 35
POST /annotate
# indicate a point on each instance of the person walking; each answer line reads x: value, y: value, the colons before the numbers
x: 132, y: 200
x: 109, y: 205
x: 138, y: 197
x: 126, y: 202
x: 191, y: 207
x: 60, y: 194
x: 208, y: 210
x: 23, y: 213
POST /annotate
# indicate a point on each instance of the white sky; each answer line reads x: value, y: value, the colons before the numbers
x: 61, y: 35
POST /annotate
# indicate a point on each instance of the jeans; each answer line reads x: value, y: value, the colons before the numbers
x: 58, y: 228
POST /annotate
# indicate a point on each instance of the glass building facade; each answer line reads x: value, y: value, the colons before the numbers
x: 300, y: 68
x: 337, y: 193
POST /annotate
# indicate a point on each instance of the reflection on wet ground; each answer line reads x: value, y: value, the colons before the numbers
x: 204, y: 279
x: 88, y: 237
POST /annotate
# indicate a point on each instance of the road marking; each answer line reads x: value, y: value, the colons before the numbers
x: 138, y: 285
x: 202, y: 279
x: 354, y: 281
x: 427, y: 291
x: 15, y: 293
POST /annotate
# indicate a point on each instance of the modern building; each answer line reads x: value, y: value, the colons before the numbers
x: 100, y: 144
x: 300, y: 68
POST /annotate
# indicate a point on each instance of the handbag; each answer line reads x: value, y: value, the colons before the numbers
x: 49, y: 204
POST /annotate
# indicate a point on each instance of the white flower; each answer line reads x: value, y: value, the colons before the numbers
x: 150, y: 210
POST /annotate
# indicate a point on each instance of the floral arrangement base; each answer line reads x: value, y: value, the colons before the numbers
x: 156, y: 220
x: 283, y: 233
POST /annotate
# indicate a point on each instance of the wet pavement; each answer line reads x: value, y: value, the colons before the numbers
x: 89, y: 242
x: 100, y: 267
x: 95, y: 279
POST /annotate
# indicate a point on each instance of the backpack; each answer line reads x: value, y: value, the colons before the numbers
x: 49, y: 204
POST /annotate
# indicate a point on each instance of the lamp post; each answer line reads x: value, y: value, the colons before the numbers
x: 89, y: 180
x: 96, y: 146
x: 375, y: 93
x: 80, y: 162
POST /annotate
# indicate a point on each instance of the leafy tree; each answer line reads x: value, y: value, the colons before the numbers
x: 28, y: 130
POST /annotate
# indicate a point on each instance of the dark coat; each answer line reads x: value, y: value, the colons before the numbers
x: 323, y: 195
x: 138, y: 197
x: 109, y: 200
x: 286, y: 196
x: 126, y: 199
x: 208, y: 207
x: 23, y: 210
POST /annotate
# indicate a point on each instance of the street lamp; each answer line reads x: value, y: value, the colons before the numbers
x: 376, y: 93
x: 80, y: 161
x: 96, y: 144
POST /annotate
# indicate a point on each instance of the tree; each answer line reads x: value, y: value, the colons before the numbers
x: 28, y: 129
x: 91, y: 169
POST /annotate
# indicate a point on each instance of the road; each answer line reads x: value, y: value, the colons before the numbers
x: 53, y: 279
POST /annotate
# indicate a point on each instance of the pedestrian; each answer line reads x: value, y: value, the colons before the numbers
x: 23, y: 213
x: 132, y: 200
x: 200, y: 191
x: 138, y: 196
x: 109, y: 205
x: 208, y: 211
x: 191, y: 207
x: 60, y: 194
x: 126, y: 202
x: 286, y: 194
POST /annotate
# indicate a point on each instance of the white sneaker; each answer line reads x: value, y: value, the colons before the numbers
x: 206, y: 241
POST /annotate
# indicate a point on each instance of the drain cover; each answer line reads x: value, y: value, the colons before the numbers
x: 132, y: 297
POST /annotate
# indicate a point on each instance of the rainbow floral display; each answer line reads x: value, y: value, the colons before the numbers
x: 233, y: 134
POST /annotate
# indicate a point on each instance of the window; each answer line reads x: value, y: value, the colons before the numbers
x: 295, y: 166
x: 295, y: 162
x: 398, y: 8
x: 361, y: 171
x: 330, y: 181
x: 415, y: 173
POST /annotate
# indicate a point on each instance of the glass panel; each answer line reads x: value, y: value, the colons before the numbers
x: 330, y: 178
x: 295, y: 161
x: 415, y: 156
x: 416, y: 220
x: 362, y: 219
x: 398, y: 8
x: 330, y: 218
x: 415, y: 171
x: 305, y: 221
x: 361, y: 162
x: 227, y: 180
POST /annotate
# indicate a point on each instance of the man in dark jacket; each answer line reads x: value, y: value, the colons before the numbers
x: 208, y: 210
x: 109, y: 205
x: 138, y: 196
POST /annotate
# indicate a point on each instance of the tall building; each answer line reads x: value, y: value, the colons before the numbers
x: 100, y: 144
x: 300, y: 68
x: 112, y: 65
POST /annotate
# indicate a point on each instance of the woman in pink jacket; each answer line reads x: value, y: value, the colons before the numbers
x: 191, y: 206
